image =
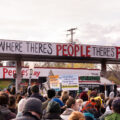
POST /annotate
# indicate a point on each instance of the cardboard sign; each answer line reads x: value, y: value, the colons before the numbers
x: 54, y: 82
x: 69, y: 82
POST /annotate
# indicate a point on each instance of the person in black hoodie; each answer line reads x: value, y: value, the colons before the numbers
x: 36, y: 94
x: 12, y: 104
x: 53, y: 111
x: 7, y: 114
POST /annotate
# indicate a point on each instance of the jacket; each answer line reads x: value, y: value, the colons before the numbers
x: 66, y: 113
x: 113, y: 116
x: 107, y: 113
x: 27, y: 116
x: 37, y: 95
x: 7, y: 113
x: 52, y: 116
x: 89, y: 116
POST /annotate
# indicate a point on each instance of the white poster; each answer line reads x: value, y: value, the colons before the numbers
x: 69, y: 82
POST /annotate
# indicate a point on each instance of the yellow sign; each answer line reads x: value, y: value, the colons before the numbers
x: 54, y: 82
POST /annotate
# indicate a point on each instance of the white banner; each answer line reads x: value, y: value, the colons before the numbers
x: 69, y: 82
x: 58, y: 49
x: 8, y: 72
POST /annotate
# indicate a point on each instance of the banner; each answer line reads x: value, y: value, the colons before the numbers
x: 8, y: 72
x: 54, y: 82
x: 69, y: 82
x: 58, y: 49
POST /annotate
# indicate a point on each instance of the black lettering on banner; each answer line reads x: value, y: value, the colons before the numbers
x: 40, y: 47
x: 104, y: 52
x: 112, y: 50
x: 36, y: 47
x: 12, y: 46
x: 32, y: 48
x: 98, y: 52
x: 17, y: 48
x: 28, y: 47
x: 101, y: 51
x: 108, y: 51
x: 8, y: 46
x: 20, y: 46
x: 44, y: 48
x: 94, y: 50
x: 2, y: 45
x: 50, y: 48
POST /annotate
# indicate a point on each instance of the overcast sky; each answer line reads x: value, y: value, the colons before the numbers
x: 98, y: 21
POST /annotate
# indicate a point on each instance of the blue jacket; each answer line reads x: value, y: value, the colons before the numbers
x: 89, y: 116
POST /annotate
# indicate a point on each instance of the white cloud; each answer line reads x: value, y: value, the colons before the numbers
x: 48, y: 20
x: 100, y: 34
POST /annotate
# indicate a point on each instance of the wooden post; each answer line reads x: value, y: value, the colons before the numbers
x: 18, y: 74
x: 103, y: 68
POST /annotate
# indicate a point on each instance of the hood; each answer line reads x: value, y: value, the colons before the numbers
x: 114, y: 116
x: 4, y: 110
x: 68, y: 111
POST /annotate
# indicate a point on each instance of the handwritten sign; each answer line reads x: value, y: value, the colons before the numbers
x: 69, y: 82
x: 58, y: 49
x: 54, y: 82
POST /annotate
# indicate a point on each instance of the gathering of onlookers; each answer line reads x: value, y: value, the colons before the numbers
x: 60, y: 105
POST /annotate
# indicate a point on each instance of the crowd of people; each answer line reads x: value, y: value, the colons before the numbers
x: 31, y: 105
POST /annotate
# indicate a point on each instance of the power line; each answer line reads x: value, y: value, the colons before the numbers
x: 71, y: 33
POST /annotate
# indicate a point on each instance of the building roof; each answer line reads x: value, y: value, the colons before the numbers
x: 103, y: 81
x: 106, y: 81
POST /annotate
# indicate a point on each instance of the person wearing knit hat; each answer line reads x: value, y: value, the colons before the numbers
x: 53, y: 111
x: 32, y: 110
x: 84, y: 96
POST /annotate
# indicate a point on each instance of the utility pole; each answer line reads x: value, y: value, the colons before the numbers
x: 72, y: 33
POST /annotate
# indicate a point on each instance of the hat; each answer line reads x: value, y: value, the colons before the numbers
x: 93, y: 94
x: 84, y: 96
x: 53, y: 107
x: 86, y: 89
x: 21, y: 104
x: 33, y: 104
x: 116, y: 104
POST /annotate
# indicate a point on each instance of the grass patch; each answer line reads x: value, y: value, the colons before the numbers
x: 4, y: 84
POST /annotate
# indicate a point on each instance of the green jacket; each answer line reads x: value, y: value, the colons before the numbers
x: 113, y: 116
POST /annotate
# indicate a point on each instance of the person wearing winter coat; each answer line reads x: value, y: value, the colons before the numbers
x: 107, y: 112
x: 116, y: 110
x: 53, y: 111
x: 32, y: 110
x: 71, y: 107
x: 7, y: 114
x: 89, y: 110
x: 36, y: 94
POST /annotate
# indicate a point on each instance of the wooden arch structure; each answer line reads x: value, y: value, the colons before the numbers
x: 57, y: 52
